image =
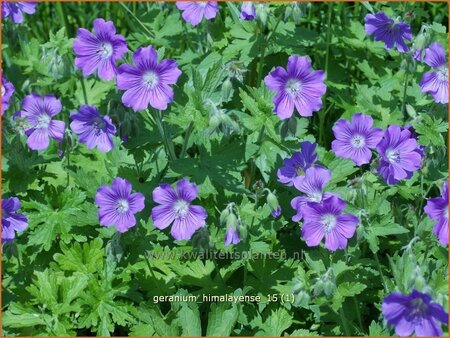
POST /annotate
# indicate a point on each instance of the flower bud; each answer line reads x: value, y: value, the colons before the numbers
x: 227, y: 90
x: 224, y: 215
x: 318, y: 287
x: 328, y: 287
x: 262, y: 13
x: 232, y: 221
x: 297, y: 12
x: 242, y: 231
x: 301, y: 299
x: 272, y: 201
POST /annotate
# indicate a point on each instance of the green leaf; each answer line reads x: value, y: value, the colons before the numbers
x: 344, y: 290
x: 86, y: 258
x: 277, y: 322
x: 221, y: 319
x: 189, y: 320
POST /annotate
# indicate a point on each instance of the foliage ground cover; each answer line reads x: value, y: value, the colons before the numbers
x: 292, y: 153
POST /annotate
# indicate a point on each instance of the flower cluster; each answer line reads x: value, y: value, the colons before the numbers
x: 147, y: 82
x: 400, y: 154
x: 320, y: 211
x: 394, y: 34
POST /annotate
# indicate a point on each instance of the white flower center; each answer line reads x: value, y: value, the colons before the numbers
x: 122, y: 206
x: 202, y: 4
x: 3, y: 90
x: 358, y: 141
x: 150, y: 79
x: 446, y: 213
x: 442, y: 73
x: 393, y: 155
x: 316, y: 196
x: 328, y: 222
x: 43, y: 121
x: 105, y: 50
x: 181, y: 207
x: 293, y: 87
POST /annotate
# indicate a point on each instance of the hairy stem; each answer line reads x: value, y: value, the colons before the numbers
x: 186, y: 139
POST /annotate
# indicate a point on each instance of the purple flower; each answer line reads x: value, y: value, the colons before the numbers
x: 38, y: 111
x: 117, y: 205
x: 15, y: 10
x: 147, y: 82
x: 11, y: 220
x: 436, y: 83
x: 299, y: 86
x: 93, y: 129
x: 354, y: 140
x: 392, y: 33
x: 232, y: 236
x: 248, y: 11
x: 7, y: 92
x: 418, y: 54
x: 437, y: 210
x: 414, y: 313
x: 175, y: 207
x: 194, y: 11
x: 276, y: 212
x: 100, y: 51
x: 400, y: 155
x: 297, y: 164
x: 311, y: 185
x: 325, y: 220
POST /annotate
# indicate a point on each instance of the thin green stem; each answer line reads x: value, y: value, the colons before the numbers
x: 380, y: 272
x: 218, y: 270
x: 137, y: 19
x: 83, y: 86
x: 328, y: 36
x: 147, y: 260
x: 358, y: 313
x: 63, y: 16
x: 405, y: 87
x: 253, y: 166
x: 322, y: 116
x: 168, y: 145
x: 263, y: 50
x: 327, y: 59
x: 186, y: 139
x: 344, y: 322
x: 68, y: 165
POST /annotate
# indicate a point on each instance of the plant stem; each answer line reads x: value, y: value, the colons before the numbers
x: 327, y: 58
x: 168, y: 145
x: 147, y: 260
x: 263, y: 51
x: 253, y: 166
x: 405, y: 87
x: 186, y: 139
x: 358, y: 313
x: 136, y: 18
x: 344, y: 322
x: 328, y: 36
x: 83, y: 86
x: 63, y: 16
x: 381, y: 272
x: 68, y: 165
